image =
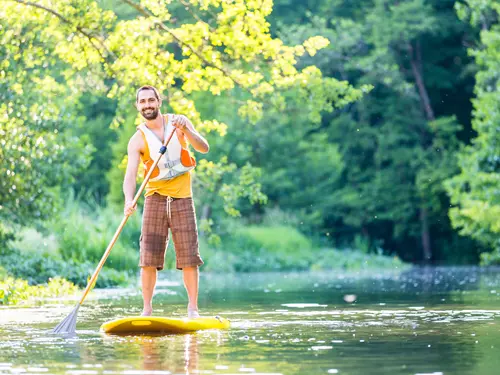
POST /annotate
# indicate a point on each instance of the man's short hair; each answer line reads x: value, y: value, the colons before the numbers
x: 147, y: 87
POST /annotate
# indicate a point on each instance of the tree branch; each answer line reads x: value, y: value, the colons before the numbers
x: 78, y: 28
x: 195, y: 16
x: 162, y: 26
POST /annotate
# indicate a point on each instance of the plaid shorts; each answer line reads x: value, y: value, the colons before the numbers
x: 156, y: 221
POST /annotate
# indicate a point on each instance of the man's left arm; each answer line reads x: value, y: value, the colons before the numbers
x: 198, y: 142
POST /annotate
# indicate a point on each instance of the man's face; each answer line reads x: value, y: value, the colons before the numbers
x: 148, y: 105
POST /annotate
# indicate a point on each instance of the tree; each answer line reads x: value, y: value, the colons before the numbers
x: 398, y: 143
x: 223, y: 46
x: 39, y: 151
x: 475, y: 191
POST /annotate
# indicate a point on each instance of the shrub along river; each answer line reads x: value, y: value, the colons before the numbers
x: 419, y: 321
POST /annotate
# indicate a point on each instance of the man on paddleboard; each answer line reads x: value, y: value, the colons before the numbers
x: 169, y: 202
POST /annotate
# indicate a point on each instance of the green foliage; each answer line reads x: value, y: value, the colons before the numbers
x: 349, y: 260
x: 398, y: 144
x: 125, y: 127
x: 39, y: 152
x: 283, y: 248
x: 273, y: 247
x: 298, y: 165
x: 96, y: 130
x: 39, y: 268
x: 31, y: 240
x: 281, y: 240
x: 89, y: 53
x: 267, y: 84
x: 6, y: 236
x: 490, y: 258
x: 482, y: 13
x: 475, y: 192
x: 84, y: 231
x: 75, y: 242
x: 3, y: 273
x: 13, y: 291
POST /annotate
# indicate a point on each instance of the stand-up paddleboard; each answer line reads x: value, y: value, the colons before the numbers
x: 155, y: 324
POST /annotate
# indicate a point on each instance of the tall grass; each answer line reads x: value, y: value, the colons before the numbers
x: 84, y: 230
x: 257, y: 248
x: 79, y: 235
x: 72, y: 245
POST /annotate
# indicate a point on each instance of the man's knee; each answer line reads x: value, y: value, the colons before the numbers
x: 148, y: 270
x: 190, y: 269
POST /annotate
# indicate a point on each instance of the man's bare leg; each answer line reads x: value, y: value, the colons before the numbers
x: 190, y: 275
x: 148, y: 281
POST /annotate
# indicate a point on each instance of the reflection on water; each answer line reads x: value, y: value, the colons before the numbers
x: 425, y: 321
x: 178, y: 354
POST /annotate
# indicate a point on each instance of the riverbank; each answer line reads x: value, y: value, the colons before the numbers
x: 69, y: 249
x: 43, y: 274
x: 15, y: 291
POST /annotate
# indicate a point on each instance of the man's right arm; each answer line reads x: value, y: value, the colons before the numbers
x: 129, y: 182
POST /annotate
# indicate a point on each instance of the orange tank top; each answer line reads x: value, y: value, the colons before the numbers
x: 178, y: 187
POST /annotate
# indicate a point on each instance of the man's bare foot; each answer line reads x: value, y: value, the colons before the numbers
x: 147, y: 312
x: 193, y: 312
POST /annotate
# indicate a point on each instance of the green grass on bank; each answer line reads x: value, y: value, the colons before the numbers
x: 283, y: 248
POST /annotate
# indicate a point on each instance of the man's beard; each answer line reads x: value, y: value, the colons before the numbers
x: 151, y: 115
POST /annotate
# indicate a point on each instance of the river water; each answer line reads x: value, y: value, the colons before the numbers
x: 419, y: 321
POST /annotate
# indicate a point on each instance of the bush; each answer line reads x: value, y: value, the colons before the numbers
x: 281, y: 240
x: 3, y: 273
x: 39, y: 268
x: 6, y: 236
x: 354, y: 260
x: 77, y: 239
x: 274, y: 248
x: 490, y: 259
x: 282, y: 248
x: 13, y: 291
x: 83, y: 234
x: 32, y: 240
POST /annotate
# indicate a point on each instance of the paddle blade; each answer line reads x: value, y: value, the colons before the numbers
x: 68, y: 325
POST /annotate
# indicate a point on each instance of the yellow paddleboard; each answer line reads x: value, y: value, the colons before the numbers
x: 155, y: 324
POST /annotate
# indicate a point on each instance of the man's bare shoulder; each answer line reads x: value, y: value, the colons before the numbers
x: 136, y: 142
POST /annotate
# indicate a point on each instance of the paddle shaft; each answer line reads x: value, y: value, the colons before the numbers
x: 125, y: 218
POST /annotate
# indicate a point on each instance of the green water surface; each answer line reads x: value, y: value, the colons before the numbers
x: 422, y: 321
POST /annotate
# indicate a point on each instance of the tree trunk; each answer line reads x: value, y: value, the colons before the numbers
x: 416, y: 67
x: 425, y: 234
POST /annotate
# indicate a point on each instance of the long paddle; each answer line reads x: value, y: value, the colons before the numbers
x: 68, y: 325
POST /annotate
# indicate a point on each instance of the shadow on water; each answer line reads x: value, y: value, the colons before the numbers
x: 419, y: 321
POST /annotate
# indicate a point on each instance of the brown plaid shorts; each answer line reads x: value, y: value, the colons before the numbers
x: 154, y: 235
